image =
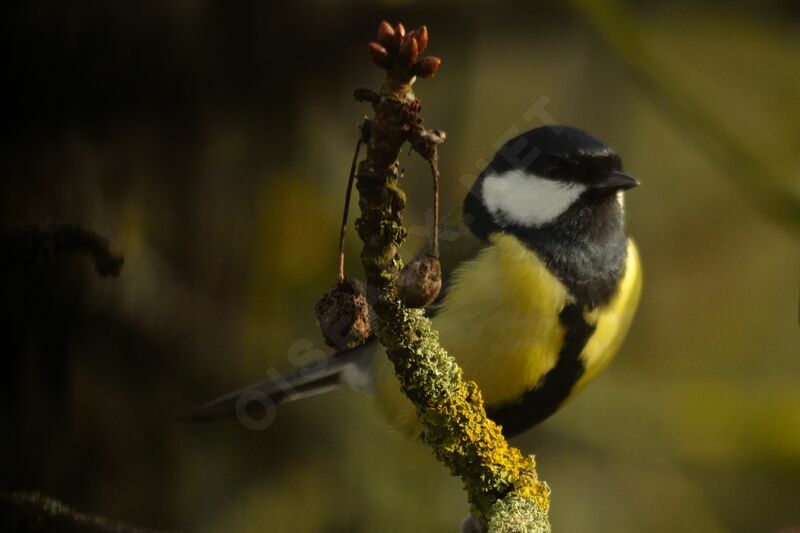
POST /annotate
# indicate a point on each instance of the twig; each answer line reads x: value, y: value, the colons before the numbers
x: 502, y: 485
x: 32, y: 511
x: 30, y: 246
x: 345, y: 212
x: 434, y: 162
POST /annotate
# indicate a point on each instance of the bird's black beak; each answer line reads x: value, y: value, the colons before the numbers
x: 616, y: 181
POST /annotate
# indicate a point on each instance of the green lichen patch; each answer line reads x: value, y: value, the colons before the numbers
x: 453, y: 417
x: 518, y: 515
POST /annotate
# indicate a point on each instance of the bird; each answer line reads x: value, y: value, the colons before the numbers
x: 541, y: 285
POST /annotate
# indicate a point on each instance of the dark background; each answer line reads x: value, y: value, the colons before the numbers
x: 210, y: 142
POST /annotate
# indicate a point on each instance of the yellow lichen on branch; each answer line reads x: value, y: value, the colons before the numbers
x: 454, y: 420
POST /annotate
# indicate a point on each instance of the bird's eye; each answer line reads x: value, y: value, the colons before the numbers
x: 556, y: 166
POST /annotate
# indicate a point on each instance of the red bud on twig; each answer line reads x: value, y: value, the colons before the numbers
x: 426, y: 67
x: 379, y: 55
x: 422, y: 38
x: 385, y: 34
x: 409, y: 51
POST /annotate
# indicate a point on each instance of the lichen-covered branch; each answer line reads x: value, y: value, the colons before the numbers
x: 502, y: 484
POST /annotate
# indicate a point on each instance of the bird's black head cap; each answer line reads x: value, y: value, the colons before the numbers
x: 559, y: 152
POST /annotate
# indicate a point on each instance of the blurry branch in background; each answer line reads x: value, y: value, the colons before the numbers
x: 502, y: 485
x: 24, y: 511
x: 617, y: 25
x: 23, y: 249
x: 30, y: 246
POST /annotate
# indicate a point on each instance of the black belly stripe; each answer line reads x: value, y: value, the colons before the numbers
x: 537, y: 404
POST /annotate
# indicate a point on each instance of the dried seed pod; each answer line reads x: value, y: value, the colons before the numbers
x: 343, y: 314
x: 379, y: 55
x: 400, y: 30
x: 409, y: 50
x: 385, y: 34
x: 426, y: 67
x: 420, y: 281
x: 422, y: 38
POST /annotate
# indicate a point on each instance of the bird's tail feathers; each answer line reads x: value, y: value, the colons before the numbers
x: 352, y: 368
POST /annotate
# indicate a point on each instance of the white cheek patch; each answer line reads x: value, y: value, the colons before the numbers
x: 526, y: 199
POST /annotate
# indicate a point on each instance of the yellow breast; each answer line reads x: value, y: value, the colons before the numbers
x: 500, y: 321
x: 611, y: 322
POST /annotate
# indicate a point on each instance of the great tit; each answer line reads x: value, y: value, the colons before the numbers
x: 541, y: 286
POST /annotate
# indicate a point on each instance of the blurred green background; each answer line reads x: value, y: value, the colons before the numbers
x: 211, y: 140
